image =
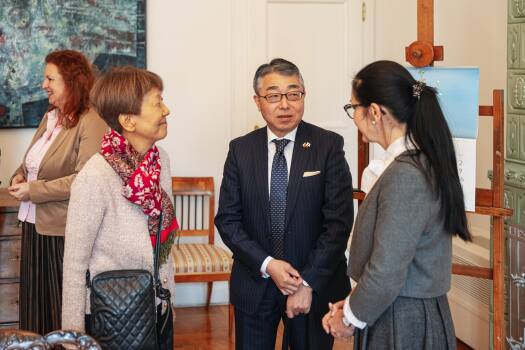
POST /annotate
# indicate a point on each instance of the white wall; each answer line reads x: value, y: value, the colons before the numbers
x: 13, y: 144
x: 189, y: 46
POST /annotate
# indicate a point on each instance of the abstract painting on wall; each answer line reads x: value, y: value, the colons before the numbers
x: 109, y: 32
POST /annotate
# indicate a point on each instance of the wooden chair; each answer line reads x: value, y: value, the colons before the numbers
x: 198, y: 262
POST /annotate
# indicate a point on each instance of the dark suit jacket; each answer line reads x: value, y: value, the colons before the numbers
x: 319, y: 215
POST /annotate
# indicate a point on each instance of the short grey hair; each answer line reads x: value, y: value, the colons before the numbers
x: 277, y: 65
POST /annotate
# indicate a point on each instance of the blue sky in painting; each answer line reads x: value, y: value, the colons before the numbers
x: 458, y: 93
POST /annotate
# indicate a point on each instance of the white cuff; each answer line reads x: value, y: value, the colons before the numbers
x: 350, y: 317
x: 264, y: 265
x: 305, y: 284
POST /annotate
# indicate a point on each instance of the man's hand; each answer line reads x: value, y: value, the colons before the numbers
x: 20, y: 191
x: 299, y: 302
x: 286, y: 278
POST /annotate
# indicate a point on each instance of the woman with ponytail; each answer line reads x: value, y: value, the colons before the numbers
x: 401, y: 251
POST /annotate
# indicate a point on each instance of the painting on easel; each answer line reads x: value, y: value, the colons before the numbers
x: 458, y: 94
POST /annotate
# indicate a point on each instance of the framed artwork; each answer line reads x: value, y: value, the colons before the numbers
x: 458, y: 94
x: 109, y: 33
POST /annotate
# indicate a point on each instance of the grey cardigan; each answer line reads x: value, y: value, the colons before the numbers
x: 105, y: 231
x: 399, y: 245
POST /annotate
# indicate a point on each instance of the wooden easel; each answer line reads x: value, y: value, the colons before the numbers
x: 423, y: 53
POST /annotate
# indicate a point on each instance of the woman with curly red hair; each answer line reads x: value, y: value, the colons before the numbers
x: 68, y: 135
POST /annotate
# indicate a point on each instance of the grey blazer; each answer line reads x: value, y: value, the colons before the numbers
x: 399, y: 245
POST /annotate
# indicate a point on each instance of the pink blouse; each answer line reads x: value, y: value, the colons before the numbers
x: 34, y: 158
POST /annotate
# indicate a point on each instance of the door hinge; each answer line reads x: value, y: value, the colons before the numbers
x: 363, y: 11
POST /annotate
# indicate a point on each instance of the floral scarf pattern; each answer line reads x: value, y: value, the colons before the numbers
x: 141, y: 177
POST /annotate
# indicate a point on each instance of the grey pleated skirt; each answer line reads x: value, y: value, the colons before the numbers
x: 40, y: 281
x: 410, y: 323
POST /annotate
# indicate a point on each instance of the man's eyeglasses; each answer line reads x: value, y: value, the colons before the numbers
x: 290, y: 96
x: 350, y: 109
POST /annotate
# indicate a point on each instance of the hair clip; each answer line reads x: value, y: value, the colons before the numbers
x: 417, y: 88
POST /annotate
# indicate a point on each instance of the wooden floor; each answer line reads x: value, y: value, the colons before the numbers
x: 198, y: 328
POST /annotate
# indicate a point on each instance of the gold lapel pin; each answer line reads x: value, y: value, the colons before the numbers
x: 306, y: 145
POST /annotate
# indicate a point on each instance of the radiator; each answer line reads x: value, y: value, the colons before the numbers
x: 469, y: 297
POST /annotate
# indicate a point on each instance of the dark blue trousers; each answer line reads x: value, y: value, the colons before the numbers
x: 258, y: 331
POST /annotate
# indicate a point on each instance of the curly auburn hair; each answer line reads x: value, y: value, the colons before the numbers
x: 78, y: 77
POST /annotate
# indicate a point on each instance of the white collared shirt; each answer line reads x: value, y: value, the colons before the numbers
x: 376, y: 166
x: 288, y: 153
x: 35, y: 155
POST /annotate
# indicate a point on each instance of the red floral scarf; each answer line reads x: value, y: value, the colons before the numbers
x: 141, y: 177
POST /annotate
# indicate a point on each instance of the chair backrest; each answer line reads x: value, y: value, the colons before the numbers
x: 194, y: 205
x: 20, y: 340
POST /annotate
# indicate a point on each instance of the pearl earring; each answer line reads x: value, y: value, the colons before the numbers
x: 373, y: 122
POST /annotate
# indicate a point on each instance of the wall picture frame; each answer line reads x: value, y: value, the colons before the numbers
x: 109, y: 33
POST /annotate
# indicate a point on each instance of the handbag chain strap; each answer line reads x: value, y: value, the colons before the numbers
x: 156, y: 277
x: 163, y: 294
x: 156, y: 259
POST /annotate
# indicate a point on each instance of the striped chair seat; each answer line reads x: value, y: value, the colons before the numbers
x: 193, y: 258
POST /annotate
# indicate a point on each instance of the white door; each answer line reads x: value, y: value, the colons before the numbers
x: 325, y: 38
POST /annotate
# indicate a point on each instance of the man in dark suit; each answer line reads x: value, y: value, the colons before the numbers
x: 285, y: 211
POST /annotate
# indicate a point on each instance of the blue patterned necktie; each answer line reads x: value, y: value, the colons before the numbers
x: 278, y: 190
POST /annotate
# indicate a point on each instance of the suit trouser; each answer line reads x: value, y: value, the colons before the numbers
x: 258, y: 331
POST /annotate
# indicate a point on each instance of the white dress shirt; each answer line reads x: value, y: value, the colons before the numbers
x: 376, y: 166
x: 27, y: 210
x: 288, y: 152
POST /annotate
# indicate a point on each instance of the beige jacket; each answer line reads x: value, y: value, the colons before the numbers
x: 104, y: 232
x: 65, y: 157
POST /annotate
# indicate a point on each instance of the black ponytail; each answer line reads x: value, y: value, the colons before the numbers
x: 389, y: 84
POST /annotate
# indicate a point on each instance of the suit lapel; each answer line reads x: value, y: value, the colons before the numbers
x: 260, y: 166
x: 300, y: 158
x: 62, y: 135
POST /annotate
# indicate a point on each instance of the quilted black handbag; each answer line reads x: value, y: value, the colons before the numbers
x: 123, y: 311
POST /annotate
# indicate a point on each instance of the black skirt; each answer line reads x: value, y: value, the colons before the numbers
x: 410, y: 324
x: 40, y: 281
